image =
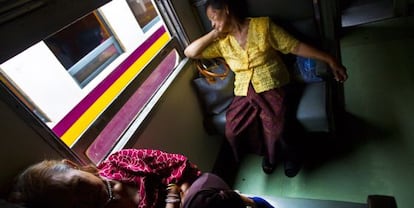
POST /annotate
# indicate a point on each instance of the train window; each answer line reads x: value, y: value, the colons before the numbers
x: 92, y: 80
x: 84, y: 48
x: 145, y: 13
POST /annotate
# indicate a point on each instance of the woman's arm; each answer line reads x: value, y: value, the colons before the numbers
x: 173, y: 198
x: 338, y: 70
x: 256, y: 202
x: 248, y: 201
x: 196, y: 47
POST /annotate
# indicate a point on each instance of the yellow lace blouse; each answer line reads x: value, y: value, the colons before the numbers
x: 259, y: 63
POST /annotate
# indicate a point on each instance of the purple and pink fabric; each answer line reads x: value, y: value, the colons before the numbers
x: 150, y: 170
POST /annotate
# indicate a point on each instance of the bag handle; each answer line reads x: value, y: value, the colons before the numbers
x: 207, y: 71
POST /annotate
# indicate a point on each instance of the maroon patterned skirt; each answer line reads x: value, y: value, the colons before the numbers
x: 254, y: 123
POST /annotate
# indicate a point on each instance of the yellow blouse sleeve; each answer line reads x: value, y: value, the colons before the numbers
x: 280, y: 39
x: 212, y: 51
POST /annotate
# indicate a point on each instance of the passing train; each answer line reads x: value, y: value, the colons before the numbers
x: 83, y: 79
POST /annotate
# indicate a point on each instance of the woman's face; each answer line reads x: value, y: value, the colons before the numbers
x: 219, y: 18
x: 89, y: 189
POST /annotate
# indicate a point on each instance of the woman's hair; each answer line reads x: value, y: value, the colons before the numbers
x: 216, y: 198
x: 237, y: 8
x: 38, y: 186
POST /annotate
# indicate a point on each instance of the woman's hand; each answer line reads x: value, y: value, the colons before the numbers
x: 173, y: 199
x: 215, y: 34
x: 339, y: 71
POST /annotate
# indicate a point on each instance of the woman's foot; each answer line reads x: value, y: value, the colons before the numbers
x: 267, y: 167
x: 292, y: 167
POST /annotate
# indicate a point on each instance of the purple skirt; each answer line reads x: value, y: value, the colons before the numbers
x: 254, y: 123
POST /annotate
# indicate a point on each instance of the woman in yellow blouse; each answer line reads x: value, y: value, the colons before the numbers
x: 251, y: 47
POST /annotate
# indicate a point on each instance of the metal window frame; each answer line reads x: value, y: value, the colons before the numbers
x: 173, y: 23
x: 86, y: 60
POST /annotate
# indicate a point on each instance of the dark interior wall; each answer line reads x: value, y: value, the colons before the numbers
x: 187, y: 14
x: 297, y: 16
x: 22, y: 143
x: 293, y: 11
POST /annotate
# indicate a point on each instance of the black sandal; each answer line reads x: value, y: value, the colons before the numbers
x: 267, y: 167
x: 292, y: 168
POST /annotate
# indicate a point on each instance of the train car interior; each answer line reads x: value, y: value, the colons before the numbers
x: 81, y: 80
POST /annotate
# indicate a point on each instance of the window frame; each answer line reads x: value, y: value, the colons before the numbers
x: 79, y: 67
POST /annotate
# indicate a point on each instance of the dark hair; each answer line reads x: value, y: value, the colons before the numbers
x: 216, y: 198
x: 237, y: 8
x: 37, y: 186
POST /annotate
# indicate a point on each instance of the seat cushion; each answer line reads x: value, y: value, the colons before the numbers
x: 311, y: 112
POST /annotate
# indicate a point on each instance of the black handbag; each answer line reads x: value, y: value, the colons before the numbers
x: 215, y: 85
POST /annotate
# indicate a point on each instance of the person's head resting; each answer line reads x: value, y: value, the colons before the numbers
x: 216, y: 198
x: 63, y: 184
x: 224, y: 13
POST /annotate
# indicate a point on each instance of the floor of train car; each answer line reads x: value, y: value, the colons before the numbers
x: 377, y: 156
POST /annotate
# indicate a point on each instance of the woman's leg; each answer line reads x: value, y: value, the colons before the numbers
x: 272, y: 116
x: 241, y: 122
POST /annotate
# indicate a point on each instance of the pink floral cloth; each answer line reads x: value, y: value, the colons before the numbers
x: 150, y: 170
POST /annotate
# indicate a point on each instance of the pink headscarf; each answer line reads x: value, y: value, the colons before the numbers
x: 150, y: 170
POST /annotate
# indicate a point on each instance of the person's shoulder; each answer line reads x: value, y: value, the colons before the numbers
x: 261, y: 23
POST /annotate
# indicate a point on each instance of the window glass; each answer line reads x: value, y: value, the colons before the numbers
x: 84, y: 48
x: 145, y: 12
